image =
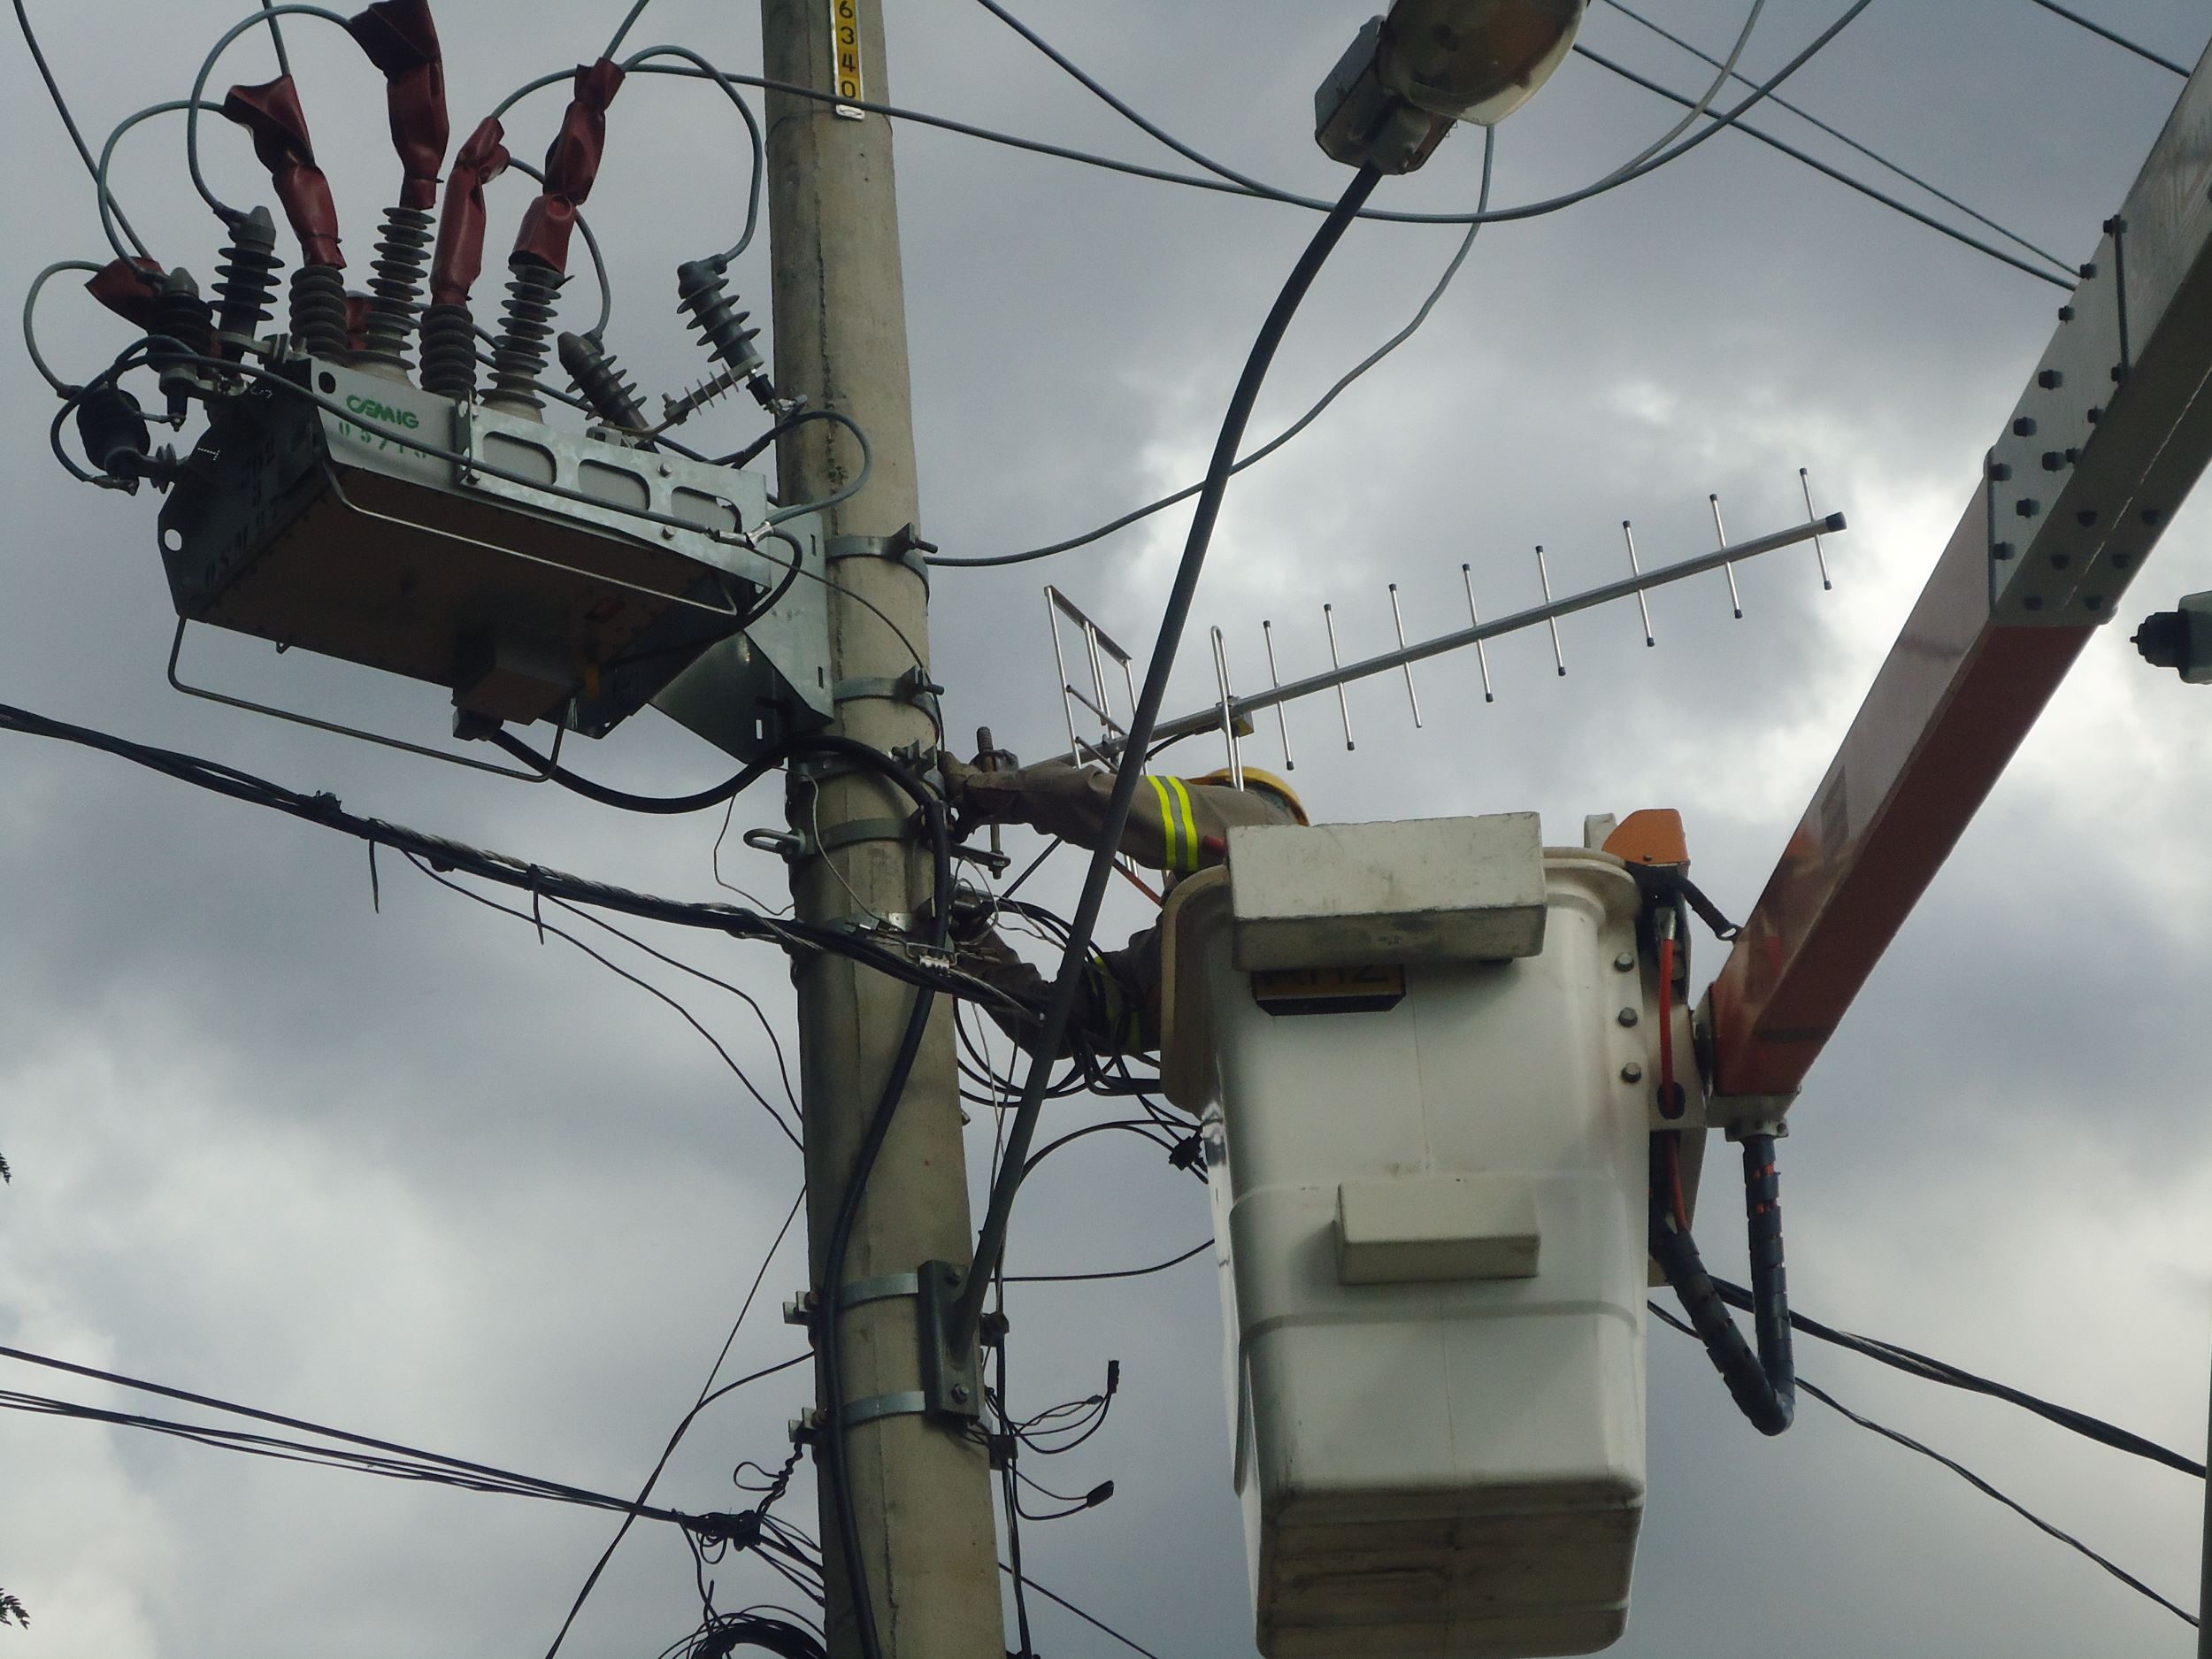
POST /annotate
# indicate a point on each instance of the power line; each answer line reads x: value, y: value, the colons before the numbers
x: 689, y: 1019
x: 1951, y: 1375
x: 1466, y: 246
x: 1653, y: 157
x: 1126, y: 1272
x: 441, y: 852
x: 1838, y: 174
x: 706, y: 1394
x: 1096, y: 1624
x: 767, y: 1025
x: 1074, y: 962
x: 61, y: 108
x: 2074, y: 17
x: 389, y: 1457
x: 1965, y: 1474
x: 1226, y: 182
x: 1842, y: 137
x: 276, y: 37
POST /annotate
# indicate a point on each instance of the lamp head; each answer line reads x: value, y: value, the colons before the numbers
x: 1431, y: 63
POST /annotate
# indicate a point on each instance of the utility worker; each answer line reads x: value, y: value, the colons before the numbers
x: 1177, y: 824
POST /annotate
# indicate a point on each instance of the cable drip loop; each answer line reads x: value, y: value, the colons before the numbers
x: 1765, y: 1385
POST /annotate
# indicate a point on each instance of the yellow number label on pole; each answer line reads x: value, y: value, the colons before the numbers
x: 846, y: 76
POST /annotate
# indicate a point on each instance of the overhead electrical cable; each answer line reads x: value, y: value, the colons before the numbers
x: 1126, y: 1272
x: 706, y: 1394
x: 1075, y: 960
x: 61, y: 108
x: 1844, y: 138
x: 1963, y: 1473
x: 1988, y: 1491
x: 1841, y: 177
x: 502, y: 1479
x: 1435, y: 293
x: 543, y: 926
x: 1096, y: 1624
x: 1950, y: 1376
x: 2074, y: 17
x: 622, y: 31
x: 767, y: 1025
x: 276, y: 39
x: 281, y: 1450
x: 1649, y: 160
x: 506, y: 871
x: 1226, y: 186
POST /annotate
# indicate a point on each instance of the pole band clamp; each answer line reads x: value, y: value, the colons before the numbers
x: 859, y: 1292
x: 911, y: 1403
x: 904, y: 546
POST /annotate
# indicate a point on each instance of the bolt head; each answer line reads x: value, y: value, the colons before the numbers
x: 1628, y: 1017
x: 1625, y: 961
x: 960, y: 1393
x: 1632, y: 1072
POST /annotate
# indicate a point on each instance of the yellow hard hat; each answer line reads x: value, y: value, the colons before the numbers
x: 1253, y: 778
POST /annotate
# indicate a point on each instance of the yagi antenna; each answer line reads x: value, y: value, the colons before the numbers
x: 1098, y: 703
x: 1231, y: 714
x: 1720, y: 535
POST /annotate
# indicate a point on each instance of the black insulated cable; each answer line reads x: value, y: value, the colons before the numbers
x: 1075, y: 961
x: 2120, y: 41
x: 1839, y: 176
x: 1965, y: 1474
x: 1764, y: 1384
x: 1950, y: 1376
x: 61, y: 108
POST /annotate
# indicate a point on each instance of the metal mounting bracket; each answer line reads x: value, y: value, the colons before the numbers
x: 913, y: 687
x: 903, y: 546
x: 796, y: 846
x: 951, y: 1364
x: 952, y: 1385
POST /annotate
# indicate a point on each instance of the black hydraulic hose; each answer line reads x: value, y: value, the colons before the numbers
x: 1764, y: 1384
x: 991, y: 1241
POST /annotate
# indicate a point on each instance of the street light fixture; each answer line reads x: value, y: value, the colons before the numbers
x: 1429, y: 63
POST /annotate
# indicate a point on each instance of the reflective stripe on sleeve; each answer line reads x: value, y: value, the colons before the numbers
x: 1189, y: 849
x: 1167, y: 821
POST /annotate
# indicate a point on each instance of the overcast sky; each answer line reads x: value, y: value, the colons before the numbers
x: 416, y: 1174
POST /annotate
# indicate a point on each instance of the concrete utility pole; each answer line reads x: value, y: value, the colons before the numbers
x: 922, y: 1490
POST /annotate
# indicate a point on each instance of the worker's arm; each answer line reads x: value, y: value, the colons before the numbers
x: 1117, y: 1012
x: 1174, y: 825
